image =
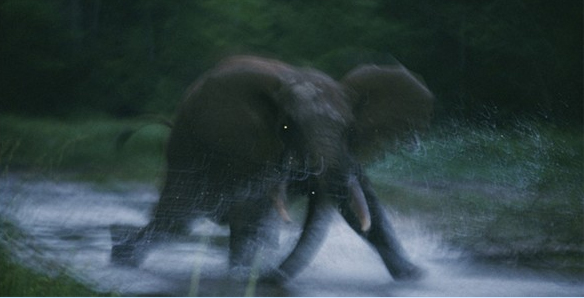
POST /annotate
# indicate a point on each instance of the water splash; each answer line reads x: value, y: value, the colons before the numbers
x: 67, y: 225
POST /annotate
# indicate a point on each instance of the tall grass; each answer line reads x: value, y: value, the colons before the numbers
x: 17, y: 280
x: 85, y: 149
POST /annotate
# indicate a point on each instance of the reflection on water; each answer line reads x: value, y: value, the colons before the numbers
x: 69, y: 224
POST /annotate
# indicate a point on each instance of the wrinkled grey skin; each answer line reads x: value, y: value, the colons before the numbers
x: 253, y: 130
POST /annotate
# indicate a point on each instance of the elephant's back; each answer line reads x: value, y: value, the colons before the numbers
x: 226, y: 130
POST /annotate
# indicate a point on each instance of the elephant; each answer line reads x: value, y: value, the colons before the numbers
x: 252, y: 131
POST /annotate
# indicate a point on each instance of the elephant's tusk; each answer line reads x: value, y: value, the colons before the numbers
x: 359, y: 204
x: 278, y: 197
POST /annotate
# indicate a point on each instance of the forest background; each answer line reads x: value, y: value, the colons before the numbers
x: 486, y: 61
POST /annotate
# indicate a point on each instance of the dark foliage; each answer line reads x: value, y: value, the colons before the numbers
x: 486, y: 60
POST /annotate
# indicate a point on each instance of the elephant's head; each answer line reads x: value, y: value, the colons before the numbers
x: 266, y: 113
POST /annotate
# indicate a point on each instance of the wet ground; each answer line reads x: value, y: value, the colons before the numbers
x: 68, y: 224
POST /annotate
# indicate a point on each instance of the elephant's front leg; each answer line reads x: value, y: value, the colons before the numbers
x: 382, y: 236
x: 254, y: 232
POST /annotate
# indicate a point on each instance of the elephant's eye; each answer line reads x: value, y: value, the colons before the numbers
x: 287, y: 128
x: 289, y: 133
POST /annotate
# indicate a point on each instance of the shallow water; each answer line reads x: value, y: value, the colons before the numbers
x: 68, y: 224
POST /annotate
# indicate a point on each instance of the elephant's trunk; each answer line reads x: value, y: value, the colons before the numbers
x: 316, y: 226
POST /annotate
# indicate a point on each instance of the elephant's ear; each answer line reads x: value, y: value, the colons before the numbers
x: 233, y: 110
x: 388, y: 102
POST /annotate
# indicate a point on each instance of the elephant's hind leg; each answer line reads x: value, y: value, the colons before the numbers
x: 170, y: 218
x: 133, y: 247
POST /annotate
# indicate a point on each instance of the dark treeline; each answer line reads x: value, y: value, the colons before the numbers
x: 485, y: 60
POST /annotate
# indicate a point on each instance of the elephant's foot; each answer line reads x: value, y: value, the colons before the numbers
x: 410, y: 273
x: 126, y: 250
x: 126, y: 255
x: 276, y: 277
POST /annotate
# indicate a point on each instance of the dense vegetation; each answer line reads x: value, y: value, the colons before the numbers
x: 485, y: 60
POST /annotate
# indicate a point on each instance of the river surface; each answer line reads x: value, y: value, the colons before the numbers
x: 67, y: 228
